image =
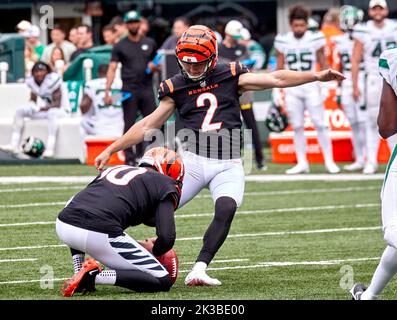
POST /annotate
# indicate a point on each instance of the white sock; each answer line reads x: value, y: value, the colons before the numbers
x: 51, y: 143
x: 300, y: 145
x: 385, y: 271
x: 200, y: 266
x: 325, y: 144
x: 78, y: 260
x: 106, y: 277
x: 358, y: 136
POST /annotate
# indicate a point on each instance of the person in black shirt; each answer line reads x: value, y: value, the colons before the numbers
x: 134, y: 52
x: 94, y: 220
x: 231, y: 50
x: 206, y: 96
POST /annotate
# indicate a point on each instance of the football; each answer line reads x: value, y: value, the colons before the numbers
x: 171, y: 263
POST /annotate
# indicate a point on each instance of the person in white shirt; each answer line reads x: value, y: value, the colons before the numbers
x: 302, y: 50
x: 48, y: 100
x: 370, y: 40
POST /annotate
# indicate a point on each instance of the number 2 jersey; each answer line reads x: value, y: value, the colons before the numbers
x: 118, y: 198
x: 210, y: 109
x: 300, y: 54
x: 375, y: 41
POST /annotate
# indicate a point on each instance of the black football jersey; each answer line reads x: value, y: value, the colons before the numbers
x: 118, y: 198
x: 210, y: 108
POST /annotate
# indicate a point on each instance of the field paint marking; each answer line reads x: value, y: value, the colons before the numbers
x: 284, y: 233
x: 36, y: 204
x: 217, y: 261
x: 262, y: 234
x: 210, y: 214
x: 264, y: 193
x: 288, y: 264
x: 259, y: 265
x: 17, y: 260
x: 40, y: 189
x: 300, y: 191
x: 319, y: 208
x: 253, y: 178
x: 34, y: 247
x: 313, y: 177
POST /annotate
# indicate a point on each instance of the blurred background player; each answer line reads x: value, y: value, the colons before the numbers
x: 387, y: 121
x: 134, y: 52
x: 370, y: 40
x: 181, y: 24
x: 99, y: 118
x: 48, y: 100
x: 231, y: 50
x: 354, y: 110
x: 94, y: 220
x: 301, y: 50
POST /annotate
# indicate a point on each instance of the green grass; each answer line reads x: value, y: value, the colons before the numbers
x: 248, y: 279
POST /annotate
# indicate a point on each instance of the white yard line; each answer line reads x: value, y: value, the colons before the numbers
x: 209, y: 214
x: 216, y: 261
x: 35, y: 204
x: 17, y: 260
x: 254, y: 178
x: 243, y: 235
x: 41, y: 189
x: 258, y: 265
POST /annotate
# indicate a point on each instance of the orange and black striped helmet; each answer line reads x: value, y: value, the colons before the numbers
x: 197, y: 45
x: 165, y: 161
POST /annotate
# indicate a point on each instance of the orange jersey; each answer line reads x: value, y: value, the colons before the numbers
x: 331, y: 55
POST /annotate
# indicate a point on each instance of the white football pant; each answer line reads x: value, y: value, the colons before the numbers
x: 224, y: 178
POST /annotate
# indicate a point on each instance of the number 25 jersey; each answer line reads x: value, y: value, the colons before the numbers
x: 210, y: 108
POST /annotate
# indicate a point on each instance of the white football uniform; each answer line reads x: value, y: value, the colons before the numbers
x: 375, y: 41
x: 301, y: 55
x: 355, y: 111
x: 388, y: 70
x: 102, y: 119
x: 44, y: 92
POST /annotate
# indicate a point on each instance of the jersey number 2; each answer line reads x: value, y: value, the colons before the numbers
x: 207, y: 125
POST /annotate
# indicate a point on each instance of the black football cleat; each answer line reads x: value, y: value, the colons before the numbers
x: 357, y: 290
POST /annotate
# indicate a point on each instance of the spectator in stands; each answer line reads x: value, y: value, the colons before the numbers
x: 48, y: 100
x: 33, y: 48
x: 134, y: 52
x: 58, y: 39
x: 84, y: 40
x: 56, y: 55
x: 23, y: 25
x: 119, y: 27
x: 181, y: 24
x: 100, y: 119
x: 73, y: 36
x: 231, y: 50
x: 145, y: 27
x: 109, y: 35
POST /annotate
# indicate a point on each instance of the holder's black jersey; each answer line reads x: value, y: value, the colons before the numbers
x: 118, y: 198
x: 209, y: 107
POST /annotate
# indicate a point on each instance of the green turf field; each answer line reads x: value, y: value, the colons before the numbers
x: 289, y: 240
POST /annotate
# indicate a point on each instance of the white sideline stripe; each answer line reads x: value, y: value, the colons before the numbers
x: 288, y: 264
x: 259, y: 265
x: 313, y: 177
x: 284, y: 233
x: 40, y: 189
x: 195, y: 215
x: 299, y: 209
x: 17, y: 260
x: 36, y: 204
x: 299, y: 191
x: 254, y: 178
x: 265, y: 193
x: 217, y: 261
x: 262, y: 234
x: 34, y: 247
